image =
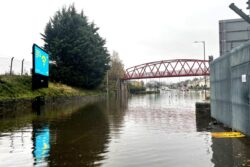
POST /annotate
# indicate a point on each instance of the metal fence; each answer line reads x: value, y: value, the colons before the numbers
x: 230, y: 88
x: 14, y: 66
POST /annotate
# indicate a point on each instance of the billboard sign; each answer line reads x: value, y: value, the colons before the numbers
x: 41, y: 61
x: 40, y: 71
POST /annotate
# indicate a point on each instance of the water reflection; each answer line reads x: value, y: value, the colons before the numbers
x: 226, y: 151
x: 158, y: 131
x: 72, y: 135
x: 16, y: 147
x: 80, y: 140
x: 149, y: 130
x: 41, y: 141
x: 230, y: 151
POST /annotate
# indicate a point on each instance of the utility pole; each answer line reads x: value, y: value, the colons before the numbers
x: 204, y: 52
x: 204, y: 56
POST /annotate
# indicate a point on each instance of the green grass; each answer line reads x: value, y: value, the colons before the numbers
x: 15, y: 87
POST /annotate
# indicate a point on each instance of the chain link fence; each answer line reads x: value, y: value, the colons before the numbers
x: 14, y: 66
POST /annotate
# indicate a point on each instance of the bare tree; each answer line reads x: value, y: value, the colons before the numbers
x: 117, y: 68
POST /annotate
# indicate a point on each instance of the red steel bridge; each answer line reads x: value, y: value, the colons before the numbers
x: 168, y: 68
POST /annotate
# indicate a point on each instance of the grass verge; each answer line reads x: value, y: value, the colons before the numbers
x: 17, y: 87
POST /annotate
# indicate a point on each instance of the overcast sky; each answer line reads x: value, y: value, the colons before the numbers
x: 139, y: 30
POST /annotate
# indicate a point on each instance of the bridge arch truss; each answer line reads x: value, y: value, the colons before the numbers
x: 168, y: 68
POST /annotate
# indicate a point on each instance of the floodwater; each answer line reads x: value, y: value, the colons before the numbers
x: 146, y: 130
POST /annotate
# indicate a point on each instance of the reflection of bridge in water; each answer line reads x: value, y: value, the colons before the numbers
x: 168, y: 68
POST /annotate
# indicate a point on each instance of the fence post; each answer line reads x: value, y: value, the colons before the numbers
x: 11, y: 65
x: 22, y: 67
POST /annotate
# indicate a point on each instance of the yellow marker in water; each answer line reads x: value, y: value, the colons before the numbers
x: 227, y: 134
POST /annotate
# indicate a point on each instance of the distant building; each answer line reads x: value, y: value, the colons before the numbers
x: 233, y: 33
x: 201, y: 82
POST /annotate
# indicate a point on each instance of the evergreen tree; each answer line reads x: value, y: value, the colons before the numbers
x: 80, y: 53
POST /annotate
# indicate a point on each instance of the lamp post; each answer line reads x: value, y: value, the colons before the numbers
x: 204, y: 53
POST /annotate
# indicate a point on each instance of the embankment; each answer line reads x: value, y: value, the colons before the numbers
x: 16, y: 95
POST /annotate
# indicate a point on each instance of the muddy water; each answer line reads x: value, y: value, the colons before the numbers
x: 147, y: 130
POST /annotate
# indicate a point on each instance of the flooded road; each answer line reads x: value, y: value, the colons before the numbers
x: 147, y: 130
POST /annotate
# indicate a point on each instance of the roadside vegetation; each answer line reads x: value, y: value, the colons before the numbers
x: 79, y: 52
x: 81, y: 62
x: 16, y: 87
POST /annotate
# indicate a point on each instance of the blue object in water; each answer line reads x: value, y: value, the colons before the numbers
x: 42, y: 144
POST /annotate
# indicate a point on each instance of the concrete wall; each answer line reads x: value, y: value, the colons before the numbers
x: 229, y: 92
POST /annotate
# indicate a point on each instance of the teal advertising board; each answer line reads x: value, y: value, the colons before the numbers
x: 40, y: 70
x: 41, y: 59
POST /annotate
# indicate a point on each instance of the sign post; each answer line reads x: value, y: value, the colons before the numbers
x: 40, y: 71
